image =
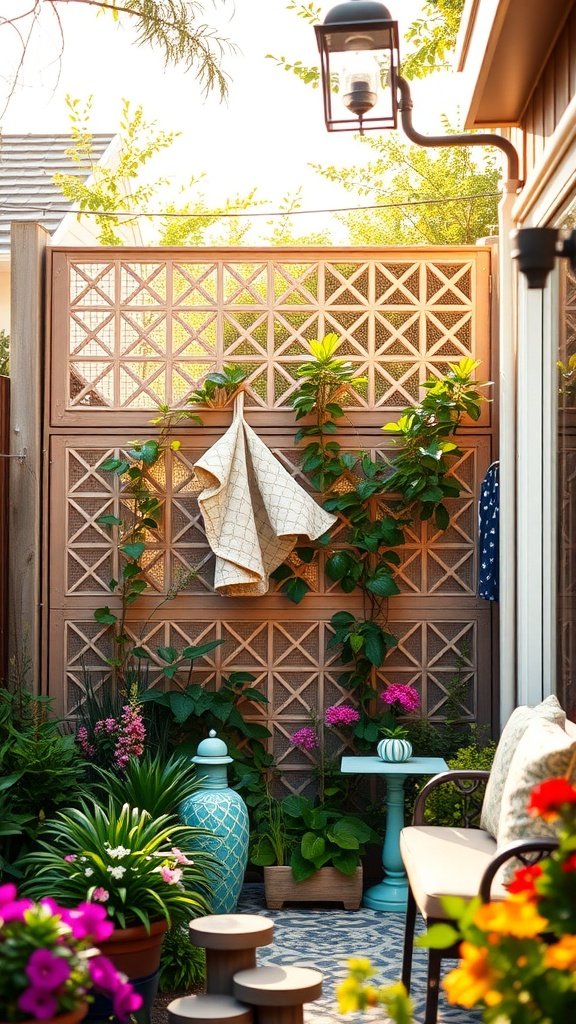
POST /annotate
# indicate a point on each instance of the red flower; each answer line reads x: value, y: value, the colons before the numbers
x: 548, y: 797
x: 524, y: 879
x: 570, y: 863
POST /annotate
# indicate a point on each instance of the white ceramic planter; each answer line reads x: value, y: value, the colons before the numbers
x: 394, y: 749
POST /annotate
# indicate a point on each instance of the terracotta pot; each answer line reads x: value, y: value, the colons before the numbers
x: 133, y: 951
x: 328, y: 885
x: 71, y: 1017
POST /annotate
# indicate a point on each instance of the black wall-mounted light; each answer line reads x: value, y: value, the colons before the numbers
x: 361, y: 86
x: 536, y: 250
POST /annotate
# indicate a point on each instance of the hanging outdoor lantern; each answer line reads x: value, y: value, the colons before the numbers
x: 358, y: 44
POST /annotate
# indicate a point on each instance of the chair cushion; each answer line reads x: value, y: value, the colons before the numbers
x: 511, y: 735
x: 445, y: 861
x: 544, y: 752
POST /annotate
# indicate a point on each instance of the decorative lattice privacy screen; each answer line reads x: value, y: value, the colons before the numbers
x: 134, y: 329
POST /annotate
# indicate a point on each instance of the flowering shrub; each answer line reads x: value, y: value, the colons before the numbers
x: 307, y: 738
x: 49, y: 963
x: 518, y: 955
x: 401, y: 698
x: 114, y: 740
x: 142, y: 868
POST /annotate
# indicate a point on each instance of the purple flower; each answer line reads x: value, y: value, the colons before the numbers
x: 305, y: 738
x: 126, y: 1001
x: 14, y: 911
x: 90, y: 919
x: 38, y: 1003
x: 103, y: 974
x: 47, y: 971
x: 405, y: 696
x: 8, y: 894
x: 341, y: 714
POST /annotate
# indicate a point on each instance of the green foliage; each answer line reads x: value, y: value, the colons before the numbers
x: 182, y: 965
x: 190, y: 712
x: 421, y: 470
x: 409, y: 181
x: 293, y: 831
x: 102, y: 189
x: 40, y: 770
x: 219, y: 387
x: 123, y: 852
x: 433, y: 37
x: 445, y: 806
x: 4, y: 354
x: 151, y: 783
x: 189, y: 223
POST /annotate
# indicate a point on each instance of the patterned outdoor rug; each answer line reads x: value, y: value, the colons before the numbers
x: 325, y: 938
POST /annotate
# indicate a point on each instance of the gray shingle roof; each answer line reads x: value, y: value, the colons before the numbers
x: 27, y: 165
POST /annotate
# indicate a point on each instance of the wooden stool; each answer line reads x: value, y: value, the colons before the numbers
x: 230, y: 941
x: 220, y: 1009
x: 278, y: 993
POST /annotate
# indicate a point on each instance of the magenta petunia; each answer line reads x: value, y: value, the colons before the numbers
x: 46, y: 970
x: 91, y: 919
x: 14, y: 911
x: 103, y: 973
x: 341, y: 714
x: 38, y: 1003
x: 126, y: 1001
x: 305, y: 738
x: 8, y: 894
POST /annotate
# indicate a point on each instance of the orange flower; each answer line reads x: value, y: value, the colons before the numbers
x: 512, y: 916
x: 472, y: 980
x: 547, y: 798
x: 562, y: 955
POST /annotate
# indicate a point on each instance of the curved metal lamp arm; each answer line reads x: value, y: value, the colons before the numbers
x: 405, y: 105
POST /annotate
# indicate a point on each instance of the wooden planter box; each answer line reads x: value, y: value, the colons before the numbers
x: 327, y: 886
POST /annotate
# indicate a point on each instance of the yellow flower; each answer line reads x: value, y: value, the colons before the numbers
x: 562, y: 955
x: 512, y: 916
x: 348, y: 995
x: 360, y: 966
x: 472, y: 980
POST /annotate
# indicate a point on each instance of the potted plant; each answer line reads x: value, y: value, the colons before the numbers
x: 312, y: 850
x: 146, y: 871
x: 50, y: 965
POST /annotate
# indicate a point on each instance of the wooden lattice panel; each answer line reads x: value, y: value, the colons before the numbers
x: 133, y: 329
x: 433, y: 562
x: 144, y: 333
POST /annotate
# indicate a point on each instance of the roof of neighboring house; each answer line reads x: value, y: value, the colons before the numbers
x: 27, y: 166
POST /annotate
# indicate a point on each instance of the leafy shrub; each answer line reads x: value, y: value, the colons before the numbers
x: 446, y: 806
x: 182, y: 965
x: 151, y: 783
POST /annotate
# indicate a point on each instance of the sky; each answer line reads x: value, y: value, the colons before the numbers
x: 265, y: 134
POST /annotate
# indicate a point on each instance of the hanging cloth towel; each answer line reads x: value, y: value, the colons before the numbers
x: 253, y: 510
x: 488, y: 520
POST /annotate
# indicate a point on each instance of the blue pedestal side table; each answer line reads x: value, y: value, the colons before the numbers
x: 392, y: 892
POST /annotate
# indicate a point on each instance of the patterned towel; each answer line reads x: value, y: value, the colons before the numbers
x: 253, y: 510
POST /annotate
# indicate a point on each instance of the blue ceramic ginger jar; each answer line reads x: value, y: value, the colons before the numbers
x: 222, y: 812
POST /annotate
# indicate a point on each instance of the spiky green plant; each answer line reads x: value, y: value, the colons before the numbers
x: 151, y: 783
x: 141, y: 868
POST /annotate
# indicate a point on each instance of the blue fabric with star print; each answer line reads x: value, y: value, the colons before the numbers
x: 488, y: 516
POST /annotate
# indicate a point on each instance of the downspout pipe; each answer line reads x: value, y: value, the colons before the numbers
x: 506, y: 388
x: 463, y: 139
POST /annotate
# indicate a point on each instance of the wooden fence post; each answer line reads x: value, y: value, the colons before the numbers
x: 4, y: 473
x: 27, y: 286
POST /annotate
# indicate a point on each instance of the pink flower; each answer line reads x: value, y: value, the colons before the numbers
x: 103, y: 973
x: 46, y: 970
x: 8, y: 894
x: 131, y: 736
x: 70, y: 858
x: 85, y: 745
x: 180, y: 857
x: 14, y: 911
x: 126, y: 1001
x: 305, y: 738
x: 90, y: 919
x: 100, y: 894
x: 405, y: 696
x: 171, y: 875
x: 38, y: 1003
x: 341, y: 714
